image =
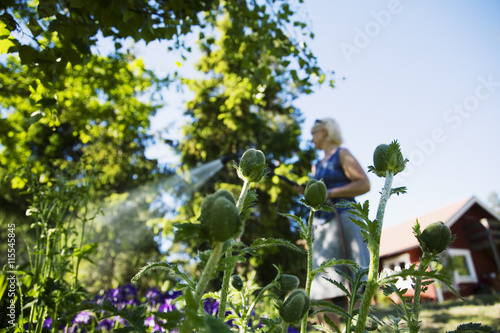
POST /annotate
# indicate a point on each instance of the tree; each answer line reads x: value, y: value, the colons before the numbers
x: 98, y: 122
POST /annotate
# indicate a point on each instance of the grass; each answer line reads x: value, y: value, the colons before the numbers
x: 446, y: 316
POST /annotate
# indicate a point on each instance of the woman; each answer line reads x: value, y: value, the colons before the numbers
x: 345, y: 179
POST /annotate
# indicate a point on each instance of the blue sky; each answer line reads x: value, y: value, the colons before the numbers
x: 426, y: 73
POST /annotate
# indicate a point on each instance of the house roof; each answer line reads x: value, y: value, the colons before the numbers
x: 400, y: 237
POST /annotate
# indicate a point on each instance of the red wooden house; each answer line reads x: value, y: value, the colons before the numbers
x: 475, y: 253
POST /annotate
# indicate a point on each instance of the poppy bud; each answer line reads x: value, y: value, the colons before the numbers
x: 436, y: 237
x: 388, y: 157
x: 252, y: 165
x: 295, y: 306
x: 315, y: 193
x: 237, y: 282
x: 288, y: 282
x: 219, y: 217
x: 379, y: 161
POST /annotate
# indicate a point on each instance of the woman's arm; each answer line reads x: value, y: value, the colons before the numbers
x: 360, y: 184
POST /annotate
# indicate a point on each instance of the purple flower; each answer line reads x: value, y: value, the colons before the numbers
x: 83, y: 317
x: 167, y: 306
x: 211, y: 306
x: 130, y: 290
x: 116, y: 295
x: 47, y: 323
x: 171, y: 294
x: 154, y: 296
x: 150, y: 322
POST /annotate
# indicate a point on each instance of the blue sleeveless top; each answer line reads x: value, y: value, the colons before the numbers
x: 333, y: 176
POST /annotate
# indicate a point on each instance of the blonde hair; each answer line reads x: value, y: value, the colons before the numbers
x: 332, y: 128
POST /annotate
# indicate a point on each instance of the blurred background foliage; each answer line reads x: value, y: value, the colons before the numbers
x: 63, y: 105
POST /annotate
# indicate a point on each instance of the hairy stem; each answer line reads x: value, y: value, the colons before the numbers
x: 225, y: 286
x: 229, y: 270
x: 424, y: 263
x: 372, y: 284
x: 207, y: 272
x: 310, y: 277
x: 243, y: 310
x: 243, y: 195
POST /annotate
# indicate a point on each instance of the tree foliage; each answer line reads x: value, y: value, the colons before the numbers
x: 53, y: 33
x: 96, y: 119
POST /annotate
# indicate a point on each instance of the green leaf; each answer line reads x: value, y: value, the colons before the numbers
x: 187, y: 230
x: 361, y: 224
x: 398, y: 190
x: 265, y: 242
x: 172, y: 318
x: 231, y: 260
x: 5, y: 45
x: 27, y: 54
x: 86, y: 249
x: 389, y: 289
x: 250, y: 199
x: 8, y: 22
x: 293, y: 217
x: 327, y: 208
x: 338, y: 284
x: 302, y: 63
x: 325, y: 306
x: 333, y: 262
x: 215, y: 325
x: 473, y: 327
x: 163, y: 265
x: 300, y: 222
x: 47, y: 8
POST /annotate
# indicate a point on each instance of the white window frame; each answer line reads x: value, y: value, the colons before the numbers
x: 472, y: 278
x: 402, y: 258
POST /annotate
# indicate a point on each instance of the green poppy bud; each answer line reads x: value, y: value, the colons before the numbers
x: 436, y: 237
x: 315, y: 193
x: 388, y: 157
x: 252, y: 165
x: 379, y: 161
x: 288, y: 282
x: 219, y: 217
x: 295, y: 306
x: 236, y: 282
